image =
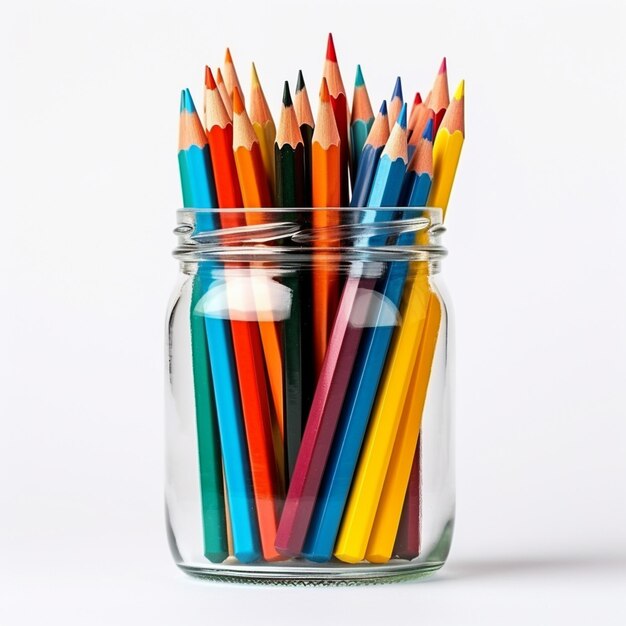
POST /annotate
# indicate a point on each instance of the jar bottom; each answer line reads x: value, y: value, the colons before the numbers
x: 299, y: 573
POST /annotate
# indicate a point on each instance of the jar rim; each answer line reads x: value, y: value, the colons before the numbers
x: 381, y: 233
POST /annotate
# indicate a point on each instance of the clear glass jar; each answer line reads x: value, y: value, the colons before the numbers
x: 286, y: 467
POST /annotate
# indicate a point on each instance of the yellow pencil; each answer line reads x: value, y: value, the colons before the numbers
x: 447, y: 150
x: 385, y: 528
x: 264, y: 127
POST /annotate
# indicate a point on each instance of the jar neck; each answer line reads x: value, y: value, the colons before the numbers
x: 343, y: 237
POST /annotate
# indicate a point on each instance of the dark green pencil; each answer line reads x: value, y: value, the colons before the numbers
x: 289, y: 158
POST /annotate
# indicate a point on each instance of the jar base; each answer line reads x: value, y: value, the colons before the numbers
x: 302, y: 576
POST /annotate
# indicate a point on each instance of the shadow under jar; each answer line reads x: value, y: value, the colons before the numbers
x: 309, y: 434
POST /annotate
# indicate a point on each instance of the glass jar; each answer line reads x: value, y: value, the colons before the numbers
x: 309, y: 429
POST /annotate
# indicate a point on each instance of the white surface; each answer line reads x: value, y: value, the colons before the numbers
x: 89, y: 186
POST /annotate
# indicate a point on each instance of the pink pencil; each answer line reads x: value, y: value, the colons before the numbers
x: 322, y: 421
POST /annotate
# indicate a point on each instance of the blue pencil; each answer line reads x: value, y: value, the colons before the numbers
x: 365, y: 378
x: 370, y: 156
x: 198, y: 183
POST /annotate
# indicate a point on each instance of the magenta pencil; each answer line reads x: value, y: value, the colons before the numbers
x: 322, y: 421
x: 407, y: 545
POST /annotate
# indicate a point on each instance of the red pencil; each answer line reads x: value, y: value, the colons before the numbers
x: 339, y: 104
x: 439, y: 96
x: 245, y: 330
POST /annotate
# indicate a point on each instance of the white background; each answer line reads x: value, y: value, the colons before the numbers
x: 536, y: 235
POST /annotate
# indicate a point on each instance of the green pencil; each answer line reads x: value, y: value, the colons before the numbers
x: 289, y: 158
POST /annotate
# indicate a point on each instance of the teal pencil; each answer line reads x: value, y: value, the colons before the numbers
x: 198, y: 192
x: 360, y: 123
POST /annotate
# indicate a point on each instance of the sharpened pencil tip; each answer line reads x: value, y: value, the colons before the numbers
x: 218, y: 76
x: 397, y: 90
x: 402, y: 117
x: 287, y: 102
x: 186, y: 102
x: 460, y: 91
x: 254, y: 76
x: 418, y: 99
x: 331, y: 55
x: 443, y: 68
x: 238, y: 106
x: 383, y: 108
x: 324, y: 93
x: 359, y: 81
x: 209, y: 81
x: 428, y: 130
x: 300, y: 83
x: 227, y: 57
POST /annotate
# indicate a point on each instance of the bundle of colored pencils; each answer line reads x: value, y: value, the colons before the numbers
x: 308, y: 426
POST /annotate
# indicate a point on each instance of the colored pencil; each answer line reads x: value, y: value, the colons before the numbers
x: 246, y: 338
x: 318, y: 433
x: 385, y: 526
x: 395, y: 103
x: 226, y: 97
x: 302, y: 107
x: 199, y: 192
x: 361, y: 386
x: 415, y: 107
x: 418, y: 123
x: 339, y: 103
x: 290, y: 192
x: 418, y: 180
x: 447, y: 150
x: 370, y: 156
x: 256, y: 194
x: 439, y: 96
x: 408, y: 540
x: 263, y: 125
x: 360, y: 122
x: 231, y: 80
x: 304, y: 115
x: 326, y: 181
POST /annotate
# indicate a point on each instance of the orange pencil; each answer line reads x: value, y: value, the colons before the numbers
x: 339, y: 103
x: 245, y: 332
x: 231, y: 80
x: 439, y: 96
x: 256, y: 194
x: 326, y: 173
x: 226, y: 98
x: 420, y: 115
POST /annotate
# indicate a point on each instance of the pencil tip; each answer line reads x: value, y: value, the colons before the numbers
x: 359, y: 81
x: 287, y: 102
x: 331, y: 55
x: 428, y: 130
x: 255, y: 76
x: 238, y: 106
x: 209, y: 81
x: 397, y: 90
x: 443, y: 68
x: 186, y: 102
x: 218, y: 76
x: 227, y: 57
x: 324, y: 93
x: 383, y: 108
x: 402, y: 117
x: 460, y: 91
x: 417, y: 99
x: 300, y: 83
